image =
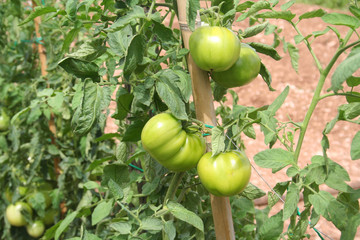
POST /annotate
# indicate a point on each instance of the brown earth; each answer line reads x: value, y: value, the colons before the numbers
x: 302, y: 86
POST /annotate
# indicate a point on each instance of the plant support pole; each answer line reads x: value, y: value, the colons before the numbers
x: 205, y: 112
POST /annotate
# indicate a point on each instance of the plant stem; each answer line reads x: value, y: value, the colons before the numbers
x: 173, y: 186
x: 316, y: 98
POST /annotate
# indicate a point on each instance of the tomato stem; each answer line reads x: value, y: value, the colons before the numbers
x: 175, y: 182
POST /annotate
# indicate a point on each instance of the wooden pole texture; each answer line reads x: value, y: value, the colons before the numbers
x: 205, y: 112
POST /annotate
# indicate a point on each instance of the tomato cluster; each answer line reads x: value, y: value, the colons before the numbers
x: 22, y: 214
x: 218, y: 50
x: 164, y: 138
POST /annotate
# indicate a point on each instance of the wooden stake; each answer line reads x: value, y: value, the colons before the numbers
x: 205, y: 112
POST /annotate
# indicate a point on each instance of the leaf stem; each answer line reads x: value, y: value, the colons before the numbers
x: 175, y: 182
x: 316, y: 98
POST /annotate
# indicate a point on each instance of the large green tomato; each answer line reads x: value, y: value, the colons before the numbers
x: 165, y: 140
x: 35, y: 229
x: 14, y: 214
x: 4, y: 121
x: 214, y: 48
x: 246, y: 69
x: 225, y: 174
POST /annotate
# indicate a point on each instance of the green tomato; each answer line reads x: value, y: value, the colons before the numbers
x: 37, y: 195
x: 50, y: 215
x: 4, y: 121
x: 214, y: 48
x: 35, y: 229
x: 225, y: 174
x: 245, y: 70
x: 14, y: 213
x: 165, y: 140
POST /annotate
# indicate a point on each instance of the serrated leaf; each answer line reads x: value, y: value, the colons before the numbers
x: 151, y: 224
x: 38, y: 11
x: 321, y: 202
x: 134, y: 14
x: 71, y: 9
x: 287, y: 5
x: 133, y: 132
x: 124, y: 100
x: 164, y: 34
x: 254, y: 30
x: 353, y: 81
x: 178, y: 211
x: 313, y: 14
x: 355, y: 11
x: 291, y: 201
x: 170, y: 94
x: 275, y: 158
x: 252, y: 192
x: 294, y: 55
x: 81, y: 69
x: 89, y: 50
x: 170, y: 230
x: 134, y: 55
x: 121, y: 152
x: 272, y: 227
x: 355, y: 147
x: 278, y: 102
x: 120, y: 40
x: 243, y: 6
x: 217, y: 140
x: 89, y: 110
x: 121, y: 227
x: 254, y: 8
x: 65, y: 223
x: 266, y: 76
x: 184, y: 84
x: 115, y: 189
x: 101, y: 211
x: 265, y: 49
x: 119, y: 173
x: 341, y: 19
x: 286, y: 15
x: 345, y: 70
x: 192, y: 6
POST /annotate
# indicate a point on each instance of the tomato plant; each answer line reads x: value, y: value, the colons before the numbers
x: 4, y: 121
x: 233, y: 168
x: 214, y: 48
x: 244, y: 70
x: 166, y: 141
x: 15, y: 215
x: 35, y: 229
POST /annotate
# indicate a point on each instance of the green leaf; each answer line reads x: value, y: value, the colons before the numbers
x: 278, y: 102
x: 341, y: 19
x: 171, y: 95
x: 134, y: 14
x: 178, y: 211
x: 81, y: 69
x: 65, y: 223
x: 164, y: 34
x: 291, y: 201
x: 275, y: 159
x: 321, y: 202
x: 124, y: 100
x: 89, y: 50
x: 90, y: 236
x: 265, y: 49
x: 313, y: 14
x: 351, y: 228
x: 133, y: 132
x: 344, y: 71
x: 134, y: 55
x: 254, y: 30
x: 115, y: 189
x: 254, y: 8
x: 355, y: 11
x: 349, y: 111
x: 217, y: 140
x: 89, y: 110
x: 121, y: 152
x: 38, y: 11
x: 170, y: 230
x: 123, y: 228
x: 192, y: 6
x: 101, y: 211
x: 120, y: 40
x: 286, y: 15
x: 119, y: 173
x: 294, y: 55
x: 266, y: 76
x: 184, y: 84
x: 71, y: 9
x: 243, y: 6
x: 353, y: 81
x: 355, y: 147
x: 252, y: 192
x: 151, y: 224
x: 91, y: 185
x: 287, y: 5
x: 272, y: 227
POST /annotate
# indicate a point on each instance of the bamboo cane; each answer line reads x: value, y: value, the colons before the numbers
x: 205, y: 112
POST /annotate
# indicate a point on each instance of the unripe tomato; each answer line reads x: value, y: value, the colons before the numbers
x: 246, y: 69
x: 4, y: 121
x: 165, y: 140
x: 35, y: 229
x: 50, y: 215
x: 225, y: 174
x: 214, y: 48
x: 14, y: 215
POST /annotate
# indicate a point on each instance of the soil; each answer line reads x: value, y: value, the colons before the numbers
x: 302, y: 86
